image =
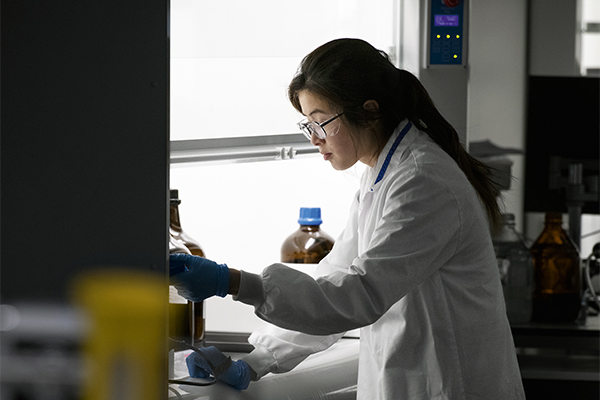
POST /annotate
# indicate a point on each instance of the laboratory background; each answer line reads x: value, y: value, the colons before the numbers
x: 132, y: 129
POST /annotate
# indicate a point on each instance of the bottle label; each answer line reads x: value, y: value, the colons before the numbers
x: 174, y: 297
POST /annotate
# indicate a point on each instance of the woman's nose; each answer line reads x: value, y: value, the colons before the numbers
x: 315, y: 140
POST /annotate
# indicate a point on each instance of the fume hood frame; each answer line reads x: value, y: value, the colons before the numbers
x: 240, y: 149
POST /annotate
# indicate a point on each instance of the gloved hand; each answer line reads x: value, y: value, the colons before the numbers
x: 199, y: 278
x: 237, y: 375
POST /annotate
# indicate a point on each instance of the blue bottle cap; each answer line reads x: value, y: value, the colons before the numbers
x: 310, y: 216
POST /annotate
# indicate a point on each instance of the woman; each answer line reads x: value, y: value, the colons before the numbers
x: 414, y: 268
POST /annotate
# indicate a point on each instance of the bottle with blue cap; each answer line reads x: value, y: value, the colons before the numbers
x: 309, y: 244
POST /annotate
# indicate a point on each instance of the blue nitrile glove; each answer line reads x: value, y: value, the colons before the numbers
x: 199, y: 278
x: 199, y: 366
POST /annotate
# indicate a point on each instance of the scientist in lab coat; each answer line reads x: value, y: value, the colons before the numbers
x: 414, y: 267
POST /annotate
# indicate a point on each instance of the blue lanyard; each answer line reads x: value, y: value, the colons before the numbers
x: 391, y: 152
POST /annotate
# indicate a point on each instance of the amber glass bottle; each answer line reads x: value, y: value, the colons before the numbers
x: 179, y: 314
x: 196, y: 309
x: 175, y: 228
x: 309, y: 244
x: 557, y: 271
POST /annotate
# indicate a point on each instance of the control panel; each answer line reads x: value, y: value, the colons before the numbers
x: 446, y: 30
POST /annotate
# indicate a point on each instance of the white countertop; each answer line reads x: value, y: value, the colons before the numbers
x: 331, y: 374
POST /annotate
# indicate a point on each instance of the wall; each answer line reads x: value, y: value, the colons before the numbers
x: 497, y: 84
x: 490, y: 99
x: 555, y: 42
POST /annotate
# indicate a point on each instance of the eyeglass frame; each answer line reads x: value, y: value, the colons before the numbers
x: 306, y: 131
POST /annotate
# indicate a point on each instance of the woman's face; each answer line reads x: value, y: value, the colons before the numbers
x: 339, y: 149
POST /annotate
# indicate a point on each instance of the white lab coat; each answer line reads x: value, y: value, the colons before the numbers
x: 415, y: 269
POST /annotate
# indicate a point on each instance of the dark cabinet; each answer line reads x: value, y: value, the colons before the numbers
x: 84, y: 141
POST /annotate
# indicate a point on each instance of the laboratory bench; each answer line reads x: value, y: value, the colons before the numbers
x: 559, y: 361
x: 331, y: 374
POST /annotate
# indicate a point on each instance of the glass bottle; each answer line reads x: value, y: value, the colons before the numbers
x: 196, y: 309
x: 308, y: 245
x: 175, y: 227
x: 516, y: 271
x: 557, y: 271
x: 179, y: 309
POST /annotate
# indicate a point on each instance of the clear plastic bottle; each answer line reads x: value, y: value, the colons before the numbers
x: 309, y: 244
x: 557, y: 274
x: 195, y: 311
x: 516, y: 271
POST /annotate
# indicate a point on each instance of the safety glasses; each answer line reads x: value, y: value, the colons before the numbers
x: 310, y: 128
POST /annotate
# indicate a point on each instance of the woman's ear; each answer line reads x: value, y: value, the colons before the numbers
x: 371, y: 106
x: 372, y: 111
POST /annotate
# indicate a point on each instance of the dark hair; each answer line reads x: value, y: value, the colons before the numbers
x: 348, y: 72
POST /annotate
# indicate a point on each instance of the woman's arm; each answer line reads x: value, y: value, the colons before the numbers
x: 234, y: 281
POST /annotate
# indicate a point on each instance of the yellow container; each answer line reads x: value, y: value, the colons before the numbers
x: 126, y: 343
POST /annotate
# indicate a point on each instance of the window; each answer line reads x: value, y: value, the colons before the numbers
x: 231, y: 60
x: 590, y: 38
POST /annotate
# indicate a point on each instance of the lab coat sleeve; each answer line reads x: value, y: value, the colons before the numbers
x: 278, y: 350
x: 417, y: 229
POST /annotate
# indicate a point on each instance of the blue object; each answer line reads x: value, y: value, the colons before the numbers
x: 200, y: 279
x: 447, y: 32
x: 176, y: 269
x: 390, y: 153
x: 310, y: 216
x: 207, y: 361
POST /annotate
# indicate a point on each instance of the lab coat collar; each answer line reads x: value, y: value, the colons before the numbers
x: 373, y: 173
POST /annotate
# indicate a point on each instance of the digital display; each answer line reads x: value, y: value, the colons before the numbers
x: 446, y: 20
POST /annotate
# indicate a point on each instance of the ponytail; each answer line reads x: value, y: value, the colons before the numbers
x: 423, y: 113
x: 349, y: 72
